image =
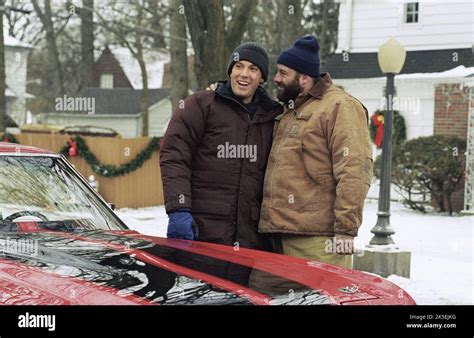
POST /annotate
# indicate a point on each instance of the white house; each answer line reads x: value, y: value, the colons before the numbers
x: 16, y: 58
x: 119, y: 109
x: 434, y: 87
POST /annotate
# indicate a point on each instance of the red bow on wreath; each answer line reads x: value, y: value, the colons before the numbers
x: 378, y: 121
x: 72, y: 148
x: 5, y: 138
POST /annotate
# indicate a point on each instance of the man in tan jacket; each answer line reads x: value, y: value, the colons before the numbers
x: 320, y: 166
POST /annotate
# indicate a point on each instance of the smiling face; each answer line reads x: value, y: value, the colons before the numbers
x: 288, y: 82
x: 245, y: 79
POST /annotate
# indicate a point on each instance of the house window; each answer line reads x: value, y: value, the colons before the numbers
x: 107, y: 81
x: 411, y: 12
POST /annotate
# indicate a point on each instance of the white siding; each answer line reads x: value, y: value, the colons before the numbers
x: 419, y: 122
x: 160, y: 116
x: 15, y: 78
x: 442, y: 25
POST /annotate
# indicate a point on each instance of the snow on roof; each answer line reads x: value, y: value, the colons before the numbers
x: 14, y: 42
x: 155, y: 66
x: 459, y: 71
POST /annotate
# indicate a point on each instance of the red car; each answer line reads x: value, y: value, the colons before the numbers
x: 60, y: 244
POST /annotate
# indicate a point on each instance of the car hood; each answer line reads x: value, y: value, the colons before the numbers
x: 125, y: 267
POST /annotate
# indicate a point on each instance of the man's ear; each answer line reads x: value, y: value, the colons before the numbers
x: 304, y: 79
x: 262, y: 81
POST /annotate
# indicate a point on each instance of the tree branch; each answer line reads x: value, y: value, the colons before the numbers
x: 241, y: 15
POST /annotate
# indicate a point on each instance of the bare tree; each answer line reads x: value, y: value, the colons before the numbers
x: 157, y: 11
x: 132, y: 35
x: 207, y: 28
x: 211, y: 41
x: 179, y: 58
x: 54, y: 64
x: 242, y: 14
x: 290, y: 17
x: 3, y: 106
x: 324, y: 20
x: 23, y: 27
x: 87, y: 42
x: 139, y: 56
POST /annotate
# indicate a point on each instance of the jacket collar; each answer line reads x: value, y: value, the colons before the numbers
x: 261, y: 97
x: 317, y: 91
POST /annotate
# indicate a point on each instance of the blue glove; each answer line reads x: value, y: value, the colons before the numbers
x: 181, y: 225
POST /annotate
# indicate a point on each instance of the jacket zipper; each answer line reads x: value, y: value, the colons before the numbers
x: 236, y: 223
x: 249, y: 129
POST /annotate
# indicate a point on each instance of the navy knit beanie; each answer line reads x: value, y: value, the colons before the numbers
x: 252, y: 52
x: 303, y: 56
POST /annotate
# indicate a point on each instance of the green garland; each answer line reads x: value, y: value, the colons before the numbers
x: 399, y: 127
x: 10, y: 138
x: 111, y: 170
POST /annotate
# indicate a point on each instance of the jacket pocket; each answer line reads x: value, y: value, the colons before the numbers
x: 297, y: 125
x: 211, y: 207
x: 292, y: 190
x: 304, y: 116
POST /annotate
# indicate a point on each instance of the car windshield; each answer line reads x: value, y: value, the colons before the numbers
x: 45, y: 191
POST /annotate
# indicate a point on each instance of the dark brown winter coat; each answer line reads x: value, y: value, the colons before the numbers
x: 200, y: 172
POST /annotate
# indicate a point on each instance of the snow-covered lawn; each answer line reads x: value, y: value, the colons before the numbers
x: 442, y: 249
x: 151, y: 221
x: 442, y: 253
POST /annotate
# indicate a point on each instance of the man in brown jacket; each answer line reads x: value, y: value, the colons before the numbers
x: 214, y: 156
x: 320, y: 166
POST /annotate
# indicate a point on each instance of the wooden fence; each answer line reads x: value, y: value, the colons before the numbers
x: 140, y: 188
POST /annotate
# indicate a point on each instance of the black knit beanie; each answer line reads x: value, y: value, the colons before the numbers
x: 252, y: 52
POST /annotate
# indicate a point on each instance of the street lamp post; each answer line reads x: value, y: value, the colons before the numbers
x: 391, y: 57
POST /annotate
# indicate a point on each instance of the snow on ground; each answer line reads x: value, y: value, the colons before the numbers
x: 442, y: 249
x: 151, y: 221
x: 442, y: 253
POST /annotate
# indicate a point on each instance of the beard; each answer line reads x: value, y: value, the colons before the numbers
x: 289, y: 92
